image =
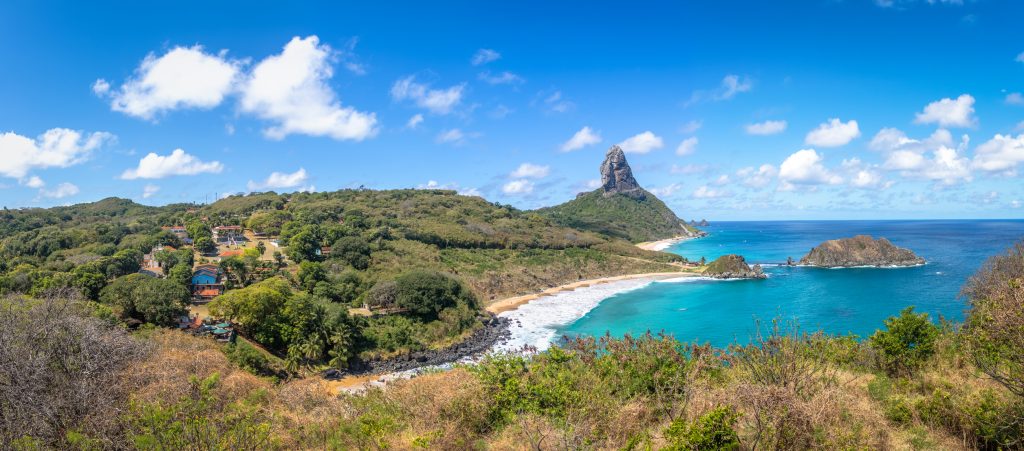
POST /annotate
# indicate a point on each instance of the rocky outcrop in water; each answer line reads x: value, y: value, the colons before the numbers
x: 733, y: 267
x: 861, y: 250
x: 495, y: 330
x: 617, y: 177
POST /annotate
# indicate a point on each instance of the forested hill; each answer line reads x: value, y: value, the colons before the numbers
x: 497, y: 249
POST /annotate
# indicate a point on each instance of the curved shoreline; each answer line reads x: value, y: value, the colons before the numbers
x: 514, y: 302
x: 661, y: 245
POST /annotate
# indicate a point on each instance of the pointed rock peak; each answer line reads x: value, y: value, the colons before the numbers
x: 617, y: 177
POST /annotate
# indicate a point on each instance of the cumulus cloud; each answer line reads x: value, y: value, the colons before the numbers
x: 948, y: 112
x: 60, y: 191
x: 642, y: 143
x: 1002, y: 153
x: 34, y: 182
x: 153, y: 166
x: 529, y: 170
x: 438, y: 101
x: 933, y: 158
x: 583, y: 138
x: 759, y: 177
x: 804, y: 167
x: 502, y: 78
x: 278, y: 180
x: 184, y: 77
x: 149, y: 191
x: 833, y: 133
x: 518, y: 187
x: 484, y: 56
x: 414, y: 121
x: 1014, y: 98
x: 705, y: 192
x: 57, y: 147
x: 688, y: 146
x: 291, y: 89
x: 864, y: 176
x: 766, y: 128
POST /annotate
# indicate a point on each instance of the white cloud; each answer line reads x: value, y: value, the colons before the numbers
x: 1002, y: 153
x: 804, y: 167
x: 554, y: 102
x: 291, y: 89
x: 278, y: 180
x: 730, y: 86
x: 154, y: 166
x: 184, y: 77
x: 691, y: 126
x: 414, y: 121
x: 484, y: 56
x: 583, y: 138
x: 454, y: 136
x: 766, y: 128
x: 517, y: 187
x: 704, y: 192
x: 503, y: 78
x: 949, y: 112
x: 34, y: 182
x: 1020, y: 58
x: 57, y: 147
x: 833, y: 133
x: 532, y: 171
x: 101, y: 87
x: 864, y: 176
x: 688, y: 146
x: 758, y: 177
x: 1014, y: 98
x: 933, y: 158
x: 665, y: 191
x: 60, y: 191
x: 438, y: 101
x: 642, y: 143
x: 149, y: 191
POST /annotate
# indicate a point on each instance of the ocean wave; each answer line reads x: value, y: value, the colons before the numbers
x: 536, y: 323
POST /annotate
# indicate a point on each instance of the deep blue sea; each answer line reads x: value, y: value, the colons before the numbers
x: 838, y: 301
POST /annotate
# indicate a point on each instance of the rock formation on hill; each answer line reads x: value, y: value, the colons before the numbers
x: 620, y: 207
x: 733, y: 266
x: 861, y: 250
x: 617, y: 177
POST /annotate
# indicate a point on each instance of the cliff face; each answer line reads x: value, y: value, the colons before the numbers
x: 861, y: 250
x: 733, y: 267
x: 620, y: 207
x: 617, y: 176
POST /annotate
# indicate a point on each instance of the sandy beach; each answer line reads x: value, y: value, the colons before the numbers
x: 662, y: 244
x: 512, y: 303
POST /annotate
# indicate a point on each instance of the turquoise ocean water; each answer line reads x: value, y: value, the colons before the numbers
x: 853, y: 300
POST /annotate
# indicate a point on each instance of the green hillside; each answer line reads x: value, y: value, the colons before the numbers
x: 619, y: 215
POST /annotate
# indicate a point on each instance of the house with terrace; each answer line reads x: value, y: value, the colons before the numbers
x: 206, y: 283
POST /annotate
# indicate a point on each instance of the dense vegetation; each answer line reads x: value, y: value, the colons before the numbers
x: 620, y: 216
x: 426, y: 259
x: 912, y: 385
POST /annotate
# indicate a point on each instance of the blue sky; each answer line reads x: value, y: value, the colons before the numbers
x: 727, y: 109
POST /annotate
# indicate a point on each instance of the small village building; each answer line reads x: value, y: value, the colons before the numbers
x: 227, y: 234
x: 206, y: 283
x: 180, y: 232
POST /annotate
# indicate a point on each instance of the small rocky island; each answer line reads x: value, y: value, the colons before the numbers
x: 733, y: 266
x: 861, y: 250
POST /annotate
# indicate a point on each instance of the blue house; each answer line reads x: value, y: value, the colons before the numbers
x: 206, y: 283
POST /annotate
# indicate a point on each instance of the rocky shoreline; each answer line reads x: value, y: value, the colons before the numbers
x: 495, y: 330
x: 860, y: 251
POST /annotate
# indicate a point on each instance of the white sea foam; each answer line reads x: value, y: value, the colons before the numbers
x: 535, y: 323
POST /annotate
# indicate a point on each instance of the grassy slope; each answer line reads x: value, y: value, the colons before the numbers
x: 619, y: 216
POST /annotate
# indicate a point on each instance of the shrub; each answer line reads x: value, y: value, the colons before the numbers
x: 712, y: 431
x: 906, y: 344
